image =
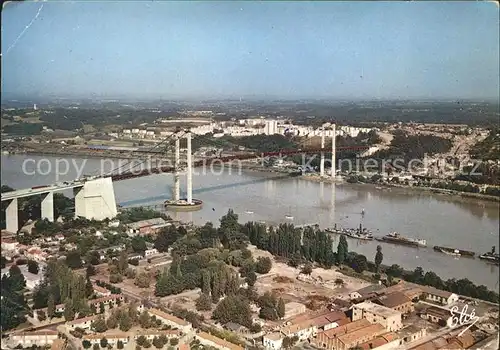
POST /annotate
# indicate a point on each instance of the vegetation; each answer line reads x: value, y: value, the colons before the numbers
x: 489, y: 148
x: 14, y: 307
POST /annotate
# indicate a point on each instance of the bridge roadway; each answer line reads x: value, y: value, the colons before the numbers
x: 28, y: 192
x: 208, y: 162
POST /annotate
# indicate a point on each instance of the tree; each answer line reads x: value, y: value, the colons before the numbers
x: 138, y: 244
x: 99, y: 325
x: 359, y: 263
x: 51, y: 306
x: 281, y: 308
x: 339, y: 282
x: 251, y: 278
x: 307, y: 269
x: 394, y: 271
x: 96, y: 346
x: 104, y: 343
x: 145, y: 320
x: 86, y: 344
x: 69, y: 311
x: 112, y: 321
x: 90, y: 271
x: 157, y: 343
x: 142, y: 280
x: 204, y: 303
x: 174, y: 341
x: 101, y: 308
x: 33, y: 267
x: 263, y: 265
x: 233, y: 309
x: 342, y: 250
x: 119, y: 344
x: 125, y: 323
x: 141, y: 340
x: 73, y: 259
x: 378, y: 258
x: 122, y: 262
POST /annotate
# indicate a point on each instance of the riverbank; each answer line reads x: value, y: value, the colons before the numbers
x: 439, y: 191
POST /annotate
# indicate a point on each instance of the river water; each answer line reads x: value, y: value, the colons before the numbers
x: 442, y: 220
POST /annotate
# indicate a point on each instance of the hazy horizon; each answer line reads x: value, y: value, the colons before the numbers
x: 254, y: 50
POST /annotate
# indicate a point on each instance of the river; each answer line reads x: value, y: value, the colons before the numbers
x: 443, y: 220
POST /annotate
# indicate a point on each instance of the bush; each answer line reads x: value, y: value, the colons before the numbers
x: 115, y: 278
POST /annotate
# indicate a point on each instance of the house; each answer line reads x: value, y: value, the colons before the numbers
x: 328, y: 339
x: 171, y: 320
x: 366, y: 292
x: 387, y: 341
x: 149, y: 252
x: 113, y: 299
x: 146, y: 227
x: 303, y: 330
x: 359, y: 336
x: 113, y: 337
x: 440, y: 296
x: 83, y: 323
x: 9, y: 244
x: 293, y: 308
x: 100, y: 291
x: 437, y: 315
x: 236, y: 327
x: 59, y: 309
x: 397, y: 301
x: 329, y: 320
x: 38, y: 338
x: 218, y: 343
x: 273, y: 340
x: 59, y: 237
x: 36, y: 254
x: 389, y: 318
x: 150, y: 334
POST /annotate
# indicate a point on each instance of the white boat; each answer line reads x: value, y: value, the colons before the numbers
x: 249, y: 212
x: 289, y: 217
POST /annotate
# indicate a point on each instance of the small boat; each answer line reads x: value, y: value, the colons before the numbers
x: 249, y: 212
x: 491, y: 256
x: 289, y: 217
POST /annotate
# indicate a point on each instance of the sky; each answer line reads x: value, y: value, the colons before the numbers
x: 338, y: 50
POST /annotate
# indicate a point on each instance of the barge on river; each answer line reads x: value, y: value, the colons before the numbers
x: 455, y: 252
x: 396, y: 238
x: 491, y: 256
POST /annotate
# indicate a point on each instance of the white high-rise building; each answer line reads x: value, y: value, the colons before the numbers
x: 271, y: 127
x: 34, y: 107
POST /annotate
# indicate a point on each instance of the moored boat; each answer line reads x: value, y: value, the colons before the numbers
x: 491, y: 256
x: 453, y: 251
x: 396, y: 238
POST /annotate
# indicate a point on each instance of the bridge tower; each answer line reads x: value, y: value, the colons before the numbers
x: 322, y: 160
x: 188, y: 203
x: 334, y: 149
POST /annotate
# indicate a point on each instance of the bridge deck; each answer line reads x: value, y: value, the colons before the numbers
x: 28, y: 192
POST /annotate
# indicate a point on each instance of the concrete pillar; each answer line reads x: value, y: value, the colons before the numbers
x: 177, y: 185
x: 334, y: 148
x: 322, y: 160
x: 48, y: 206
x: 189, y: 170
x: 12, y: 222
x: 96, y: 200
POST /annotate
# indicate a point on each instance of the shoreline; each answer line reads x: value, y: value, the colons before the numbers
x: 257, y: 168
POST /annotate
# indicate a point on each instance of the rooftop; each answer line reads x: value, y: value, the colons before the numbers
x: 145, y: 223
x: 172, y: 318
x: 274, y: 336
x: 371, y: 330
x: 377, y: 309
x: 220, y: 342
x: 349, y: 327
x: 371, y: 289
x: 435, y: 291
x: 394, y: 299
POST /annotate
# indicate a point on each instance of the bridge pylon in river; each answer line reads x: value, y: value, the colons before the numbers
x: 189, y: 203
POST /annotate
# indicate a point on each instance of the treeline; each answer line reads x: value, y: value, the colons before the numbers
x: 23, y: 129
